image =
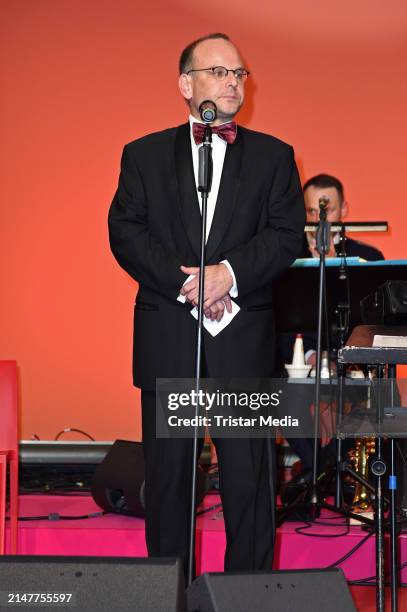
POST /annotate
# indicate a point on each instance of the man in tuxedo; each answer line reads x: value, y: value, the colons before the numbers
x: 255, y: 230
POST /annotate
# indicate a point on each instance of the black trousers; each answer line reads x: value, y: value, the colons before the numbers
x: 247, y: 485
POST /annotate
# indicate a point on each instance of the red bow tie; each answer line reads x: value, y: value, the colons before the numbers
x: 227, y: 131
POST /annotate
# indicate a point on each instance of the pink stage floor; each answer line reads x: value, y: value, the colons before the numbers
x: 114, y: 535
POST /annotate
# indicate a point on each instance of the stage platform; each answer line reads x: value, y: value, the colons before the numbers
x: 299, y: 545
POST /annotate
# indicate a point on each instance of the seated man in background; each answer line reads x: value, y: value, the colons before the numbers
x: 324, y: 185
x: 321, y: 185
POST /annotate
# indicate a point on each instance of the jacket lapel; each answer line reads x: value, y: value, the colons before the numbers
x: 188, y: 197
x: 227, y: 196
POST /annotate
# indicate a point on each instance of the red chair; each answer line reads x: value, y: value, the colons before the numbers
x: 8, y: 450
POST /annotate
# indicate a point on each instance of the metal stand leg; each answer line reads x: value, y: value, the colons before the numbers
x: 338, y: 487
x: 393, y: 506
x: 393, y: 528
x: 378, y: 468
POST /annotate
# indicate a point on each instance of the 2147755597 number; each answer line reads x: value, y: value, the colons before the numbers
x: 21, y: 599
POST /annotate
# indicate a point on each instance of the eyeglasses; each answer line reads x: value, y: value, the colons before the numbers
x: 220, y: 72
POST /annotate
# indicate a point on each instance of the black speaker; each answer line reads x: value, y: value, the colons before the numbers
x: 118, y: 482
x: 279, y: 591
x: 387, y: 305
x: 91, y: 584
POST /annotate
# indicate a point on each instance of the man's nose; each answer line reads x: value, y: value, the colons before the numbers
x: 231, y: 79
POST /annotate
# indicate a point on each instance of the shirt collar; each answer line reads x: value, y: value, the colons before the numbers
x: 193, y: 119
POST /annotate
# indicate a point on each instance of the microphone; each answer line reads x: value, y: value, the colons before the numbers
x: 323, y: 236
x: 323, y: 202
x: 208, y: 111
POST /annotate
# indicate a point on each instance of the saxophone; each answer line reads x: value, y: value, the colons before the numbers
x: 364, y: 449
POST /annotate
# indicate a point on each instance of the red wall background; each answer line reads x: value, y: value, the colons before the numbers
x: 82, y: 77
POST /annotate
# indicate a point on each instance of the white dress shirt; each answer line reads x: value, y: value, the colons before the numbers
x: 218, y: 157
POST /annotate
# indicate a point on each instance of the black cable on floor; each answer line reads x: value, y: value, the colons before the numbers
x: 351, y: 552
x: 55, y: 516
x: 309, y: 524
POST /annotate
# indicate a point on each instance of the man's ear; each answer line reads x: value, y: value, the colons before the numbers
x: 344, y: 209
x: 185, y: 86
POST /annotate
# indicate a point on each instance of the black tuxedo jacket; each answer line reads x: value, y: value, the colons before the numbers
x: 154, y: 224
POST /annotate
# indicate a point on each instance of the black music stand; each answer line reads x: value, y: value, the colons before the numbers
x: 360, y: 350
x: 294, y: 316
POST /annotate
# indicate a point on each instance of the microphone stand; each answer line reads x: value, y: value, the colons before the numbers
x: 315, y: 496
x: 310, y: 499
x: 204, y: 186
x: 343, y: 312
x: 323, y: 241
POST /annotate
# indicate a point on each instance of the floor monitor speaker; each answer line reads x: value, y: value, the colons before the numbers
x: 91, y: 584
x: 274, y: 591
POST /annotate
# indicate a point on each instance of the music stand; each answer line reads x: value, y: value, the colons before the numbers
x: 294, y: 316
